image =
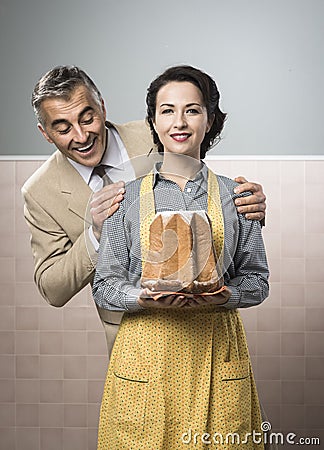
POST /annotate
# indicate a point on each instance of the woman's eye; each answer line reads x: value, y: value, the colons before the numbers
x: 192, y: 111
x: 167, y: 111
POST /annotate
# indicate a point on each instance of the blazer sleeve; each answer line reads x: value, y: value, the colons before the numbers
x: 62, y: 267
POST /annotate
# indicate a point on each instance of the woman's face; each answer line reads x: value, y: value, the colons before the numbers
x: 181, y: 120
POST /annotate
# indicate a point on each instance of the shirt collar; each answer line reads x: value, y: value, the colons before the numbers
x: 112, y: 156
x: 201, y: 175
x: 84, y: 171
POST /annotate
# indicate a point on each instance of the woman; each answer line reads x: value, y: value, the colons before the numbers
x: 180, y: 370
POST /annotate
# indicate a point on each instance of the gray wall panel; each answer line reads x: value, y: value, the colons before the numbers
x: 266, y: 56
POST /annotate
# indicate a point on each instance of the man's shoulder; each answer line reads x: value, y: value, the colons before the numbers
x: 45, y: 175
x: 137, y: 140
x: 41, y: 173
x: 138, y: 128
x: 134, y: 125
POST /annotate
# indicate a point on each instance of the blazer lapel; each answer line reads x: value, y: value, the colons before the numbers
x: 76, y: 192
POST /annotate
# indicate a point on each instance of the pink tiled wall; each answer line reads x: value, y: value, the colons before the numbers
x: 53, y: 361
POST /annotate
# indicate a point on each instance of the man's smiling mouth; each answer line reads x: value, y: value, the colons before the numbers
x: 87, y: 148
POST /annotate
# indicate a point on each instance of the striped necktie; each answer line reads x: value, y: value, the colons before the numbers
x: 100, y: 170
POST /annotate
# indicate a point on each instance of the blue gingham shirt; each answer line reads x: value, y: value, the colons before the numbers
x: 117, y: 280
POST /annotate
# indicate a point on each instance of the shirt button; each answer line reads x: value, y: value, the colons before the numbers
x: 188, y: 189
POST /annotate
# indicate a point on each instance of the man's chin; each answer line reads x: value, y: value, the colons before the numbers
x: 85, y: 160
x: 91, y: 158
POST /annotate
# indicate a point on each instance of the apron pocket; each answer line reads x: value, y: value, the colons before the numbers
x: 235, y: 397
x: 129, y: 396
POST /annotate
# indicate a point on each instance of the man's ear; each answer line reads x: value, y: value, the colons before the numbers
x: 42, y: 130
x: 104, y: 109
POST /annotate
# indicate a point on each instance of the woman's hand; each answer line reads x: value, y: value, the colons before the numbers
x: 146, y: 299
x: 204, y: 300
x: 168, y: 301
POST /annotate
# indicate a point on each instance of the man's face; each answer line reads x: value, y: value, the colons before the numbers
x: 76, y: 126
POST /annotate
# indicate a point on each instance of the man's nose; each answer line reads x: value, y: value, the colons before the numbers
x: 80, y: 135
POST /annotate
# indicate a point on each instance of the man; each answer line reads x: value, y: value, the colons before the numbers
x: 64, y: 233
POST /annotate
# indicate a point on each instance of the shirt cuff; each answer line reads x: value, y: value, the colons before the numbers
x: 93, y: 239
x: 235, y: 298
x: 131, y: 297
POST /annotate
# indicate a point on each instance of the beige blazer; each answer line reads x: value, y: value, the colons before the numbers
x: 56, y: 199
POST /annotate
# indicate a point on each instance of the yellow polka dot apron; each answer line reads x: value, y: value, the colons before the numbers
x: 180, y: 378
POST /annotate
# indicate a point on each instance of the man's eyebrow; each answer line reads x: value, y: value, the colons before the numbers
x: 64, y: 121
x: 58, y: 121
x: 85, y: 110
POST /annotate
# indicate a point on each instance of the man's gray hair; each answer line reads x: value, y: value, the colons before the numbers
x: 60, y: 82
